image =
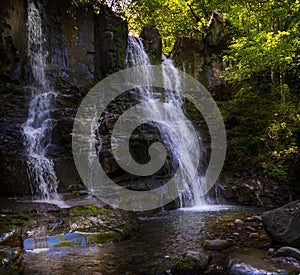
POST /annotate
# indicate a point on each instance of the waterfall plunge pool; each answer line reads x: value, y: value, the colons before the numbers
x: 153, y: 249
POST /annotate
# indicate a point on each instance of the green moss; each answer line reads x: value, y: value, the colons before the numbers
x: 185, y: 264
x: 16, y: 221
x: 89, y: 209
x: 10, y: 263
x: 120, y: 36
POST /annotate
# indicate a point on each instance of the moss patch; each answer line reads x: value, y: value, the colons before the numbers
x: 184, y: 265
x: 89, y: 209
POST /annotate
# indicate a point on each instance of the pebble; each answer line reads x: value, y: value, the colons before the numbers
x: 251, y: 229
x: 254, y: 219
x: 271, y: 252
x: 216, y: 245
x: 253, y: 235
x: 235, y: 234
x: 238, y: 222
x: 215, y: 269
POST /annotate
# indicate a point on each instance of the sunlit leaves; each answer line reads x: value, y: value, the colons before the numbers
x: 172, y: 18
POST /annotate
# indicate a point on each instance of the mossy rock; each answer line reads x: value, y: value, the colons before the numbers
x: 191, y: 263
x: 89, y: 209
x: 10, y: 261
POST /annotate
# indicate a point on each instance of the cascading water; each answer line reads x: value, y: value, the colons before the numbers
x: 37, y: 130
x: 189, y: 190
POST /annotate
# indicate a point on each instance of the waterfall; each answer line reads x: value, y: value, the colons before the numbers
x: 189, y: 190
x: 37, y: 130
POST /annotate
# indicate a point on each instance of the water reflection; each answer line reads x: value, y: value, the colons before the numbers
x: 160, y: 241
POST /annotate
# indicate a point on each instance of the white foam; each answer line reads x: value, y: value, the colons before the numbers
x: 37, y: 250
x: 208, y: 208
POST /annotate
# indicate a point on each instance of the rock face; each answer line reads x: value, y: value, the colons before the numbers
x: 152, y: 43
x: 282, y: 224
x: 77, y: 47
x: 199, y: 55
x: 111, y: 43
x: 13, y: 39
x: 70, y: 42
x: 141, y: 137
x: 254, y: 192
x: 14, y: 98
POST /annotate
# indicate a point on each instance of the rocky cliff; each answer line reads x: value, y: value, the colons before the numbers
x: 83, y: 47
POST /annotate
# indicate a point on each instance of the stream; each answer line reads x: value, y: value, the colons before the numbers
x: 161, y: 239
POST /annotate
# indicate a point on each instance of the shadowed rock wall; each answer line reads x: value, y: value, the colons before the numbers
x: 77, y: 59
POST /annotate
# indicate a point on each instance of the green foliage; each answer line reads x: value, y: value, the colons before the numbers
x: 172, y: 18
x: 266, y: 39
x: 263, y: 132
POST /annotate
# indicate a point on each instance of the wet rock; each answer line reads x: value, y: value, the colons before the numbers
x: 253, y: 235
x: 11, y: 238
x: 247, y: 192
x: 271, y: 252
x: 255, y: 261
x: 216, y: 245
x: 81, y: 46
x: 282, y: 224
x: 215, y: 269
x: 70, y: 34
x: 152, y: 43
x: 83, y: 192
x: 244, y: 269
x: 250, y: 229
x: 289, y: 252
x: 191, y: 263
x: 254, y: 192
x: 238, y: 222
x: 254, y: 219
x: 10, y: 260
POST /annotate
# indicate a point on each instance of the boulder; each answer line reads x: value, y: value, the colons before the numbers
x: 282, y: 224
x: 289, y: 252
x: 254, y: 261
x: 10, y: 259
x: 238, y: 222
x: 244, y: 269
x: 253, y: 191
x: 216, y: 245
x: 191, y: 263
